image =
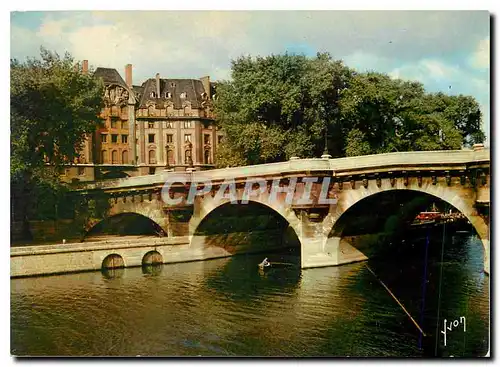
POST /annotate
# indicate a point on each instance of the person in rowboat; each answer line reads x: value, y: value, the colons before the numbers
x: 265, y: 263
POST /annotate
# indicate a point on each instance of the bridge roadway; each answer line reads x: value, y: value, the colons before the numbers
x: 460, y: 178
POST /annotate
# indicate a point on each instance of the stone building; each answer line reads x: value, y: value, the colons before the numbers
x: 162, y: 124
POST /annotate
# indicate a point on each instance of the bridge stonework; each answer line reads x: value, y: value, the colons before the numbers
x: 460, y: 178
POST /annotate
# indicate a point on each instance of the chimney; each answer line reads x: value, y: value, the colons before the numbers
x: 128, y: 75
x: 85, y: 66
x: 157, y: 85
x: 205, y: 80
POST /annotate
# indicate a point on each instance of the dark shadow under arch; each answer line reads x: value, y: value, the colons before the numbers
x: 125, y: 224
x: 245, y: 222
x: 388, y: 211
x: 114, y: 175
x: 379, y: 221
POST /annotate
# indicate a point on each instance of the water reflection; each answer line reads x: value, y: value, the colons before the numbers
x: 152, y: 269
x: 226, y: 307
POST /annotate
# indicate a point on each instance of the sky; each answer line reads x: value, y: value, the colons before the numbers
x: 448, y: 51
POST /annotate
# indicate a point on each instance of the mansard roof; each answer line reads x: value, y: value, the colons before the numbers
x: 193, y: 89
x: 110, y: 76
x: 138, y: 92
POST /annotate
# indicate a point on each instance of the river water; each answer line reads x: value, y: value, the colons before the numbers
x: 225, y: 307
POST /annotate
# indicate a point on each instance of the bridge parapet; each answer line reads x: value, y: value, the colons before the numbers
x: 458, y: 160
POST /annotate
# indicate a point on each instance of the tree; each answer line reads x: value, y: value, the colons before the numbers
x: 283, y: 105
x: 53, y: 106
x: 278, y: 107
x: 398, y: 115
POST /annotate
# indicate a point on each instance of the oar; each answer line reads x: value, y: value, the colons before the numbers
x: 399, y: 303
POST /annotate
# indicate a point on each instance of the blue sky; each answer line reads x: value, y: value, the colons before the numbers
x: 447, y: 51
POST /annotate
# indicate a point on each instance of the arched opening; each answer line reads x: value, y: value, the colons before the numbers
x: 187, y: 156
x: 152, y: 263
x: 152, y: 157
x: 170, y: 157
x: 231, y: 229
x: 121, y: 225
x: 114, y: 175
x: 113, y: 261
x: 114, y: 157
x: 125, y: 157
x: 376, y: 222
x: 152, y: 258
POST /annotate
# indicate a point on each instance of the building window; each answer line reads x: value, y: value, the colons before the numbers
x: 151, y: 125
x: 187, y: 157
x: 170, y: 138
x: 113, y: 124
x: 81, y: 171
x: 125, y: 157
x: 206, y: 138
x: 219, y: 139
x: 207, y: 157
x: 183, y: 95
x: 114, y: 138
x: 152, y: 157
x: 153, y: 95
x: 187, y: 138
x: 104, y: 138
x: 114, y: 157
x: 187, y: 124
x: 170, y: 157
x: 151, y: 138
x: 170, y: 125
x: 124, y: 139
x: 152, y: 170
x: 124, y: 124
x: 104, y: 156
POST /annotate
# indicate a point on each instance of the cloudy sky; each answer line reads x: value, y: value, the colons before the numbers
x: 448, y: 51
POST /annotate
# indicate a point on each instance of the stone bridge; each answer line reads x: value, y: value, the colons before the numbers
x: 459, y: 178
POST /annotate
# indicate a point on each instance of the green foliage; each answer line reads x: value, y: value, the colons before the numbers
x: 53, y: 106
x: 281, y: 106
x: 278, y: 106
x: 356, y: 143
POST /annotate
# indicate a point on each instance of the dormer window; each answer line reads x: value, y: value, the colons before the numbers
x: 168, y: 95
x: 183, y: 95
x: 172, y: 85
x: 153, y: 95
x: 203, y: 95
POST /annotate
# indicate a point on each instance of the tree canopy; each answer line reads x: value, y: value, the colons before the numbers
x: 53, y: 106
x: 280, y: 106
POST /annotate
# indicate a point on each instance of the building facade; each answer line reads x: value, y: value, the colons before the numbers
x: 162, y: 124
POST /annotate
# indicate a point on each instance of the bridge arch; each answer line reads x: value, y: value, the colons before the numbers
x: 283, y: 224
x: 464, y: 203
x: 124, y: 223
x: 208, y: 205
x: 458, y: 197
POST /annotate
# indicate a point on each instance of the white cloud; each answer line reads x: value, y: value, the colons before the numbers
x: 481, y: 57
x: 427, y: 70
x: 415, y: 45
